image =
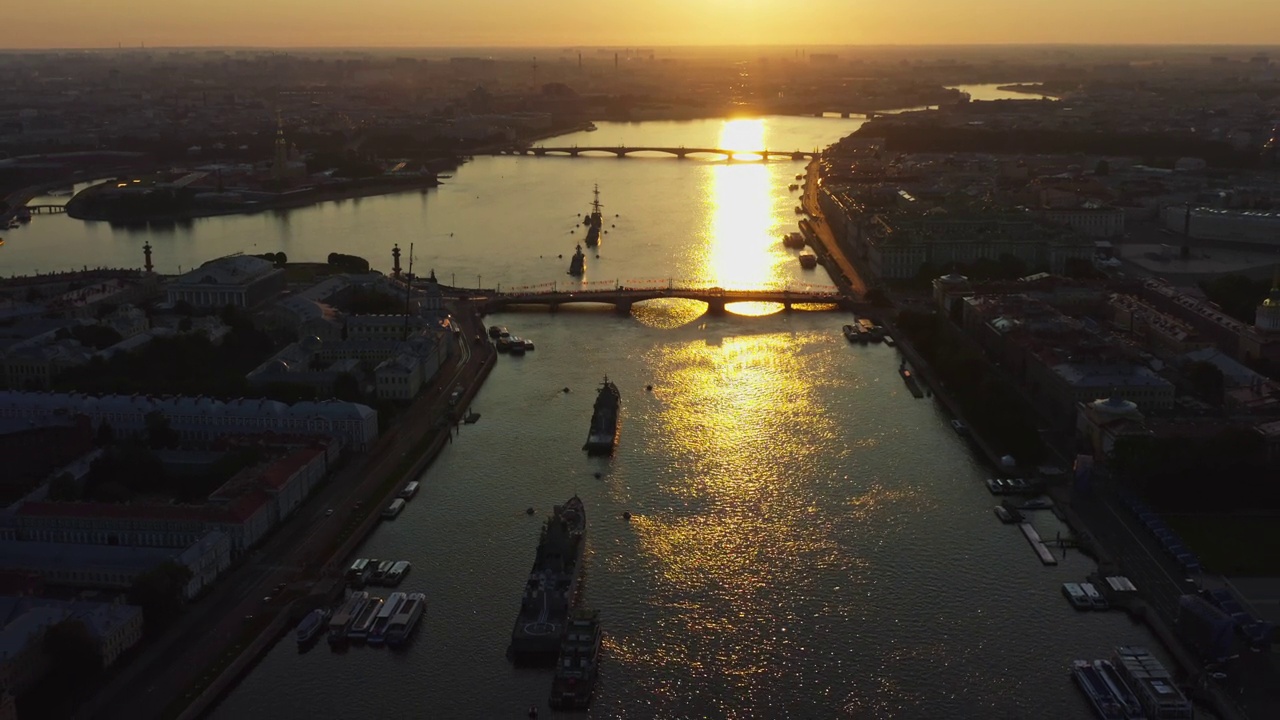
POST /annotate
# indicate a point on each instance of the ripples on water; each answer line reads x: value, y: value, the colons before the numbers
x: 807, y: 540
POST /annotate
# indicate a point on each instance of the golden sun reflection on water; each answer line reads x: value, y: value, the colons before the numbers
x: 749, y: 529
x: 737, y: 254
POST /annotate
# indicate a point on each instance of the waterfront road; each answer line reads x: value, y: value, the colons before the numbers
x: 852, y: 281
x: 293, y: 555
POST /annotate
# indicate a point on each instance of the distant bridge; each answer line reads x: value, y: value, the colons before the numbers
x: 624, y: 297
x: 41, y: 209
x: 679, y: 152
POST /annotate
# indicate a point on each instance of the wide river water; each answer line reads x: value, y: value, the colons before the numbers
x: 807, y: 540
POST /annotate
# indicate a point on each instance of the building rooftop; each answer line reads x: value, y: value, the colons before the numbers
x: 121, y: 511
x: 48, y: 556
x: 233, y: 270
x: 1107, y: 376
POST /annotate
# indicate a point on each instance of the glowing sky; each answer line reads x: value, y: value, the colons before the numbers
x: 412, y: 23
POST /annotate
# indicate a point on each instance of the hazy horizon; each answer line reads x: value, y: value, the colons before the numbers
x: 507, y: 24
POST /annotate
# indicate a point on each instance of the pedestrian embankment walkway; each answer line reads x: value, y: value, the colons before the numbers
x: 238, y: 667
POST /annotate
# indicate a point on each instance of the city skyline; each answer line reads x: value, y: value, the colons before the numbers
x: 503, y: 23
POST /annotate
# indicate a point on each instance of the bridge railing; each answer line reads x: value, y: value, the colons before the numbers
x: 668, y: 284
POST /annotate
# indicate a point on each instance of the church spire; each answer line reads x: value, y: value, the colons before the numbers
x: 280, y: 163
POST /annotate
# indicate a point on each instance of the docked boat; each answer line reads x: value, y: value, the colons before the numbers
x: 380, y: 574
x: 872, y: 331
x: 517, y: 345
x: 363, y: 623
x: 311, y: 626
x: 577, y: 668
x: 497, y: 331
x: 909, y: 379
x: 594, y: 221
x: 1096, y: 691
x: 1119, y: 689
x: 850, y: 333
x: 409, y: 490
x: 1005, y: 509
x: 1151, y: 683
x: 360, y: 572
x: 793, y: 240
x: 471, y: 418
x: 959, y: 427
x: 799, y: 210
x: 888, y: 340
x: 341, y: 620
x: 394, y: 509
x: 808, y: 261
x: 996, y: 486
x: 549, y: 592
x: 397, y: 572
x: 406, y: 619
x: 1017, y: 485
x: 1096, y: 601
x: 578, y: 265
x: 381, y: 623
x: 1076, y: 596
x: 793, y: 187
x: 603, y: 435
x: 504, y: 343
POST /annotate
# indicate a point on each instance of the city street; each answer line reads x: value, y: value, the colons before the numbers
x: 823, y: 231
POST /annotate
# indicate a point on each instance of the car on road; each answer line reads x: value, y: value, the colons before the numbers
x: 267, y: 599
x: 328, y: 512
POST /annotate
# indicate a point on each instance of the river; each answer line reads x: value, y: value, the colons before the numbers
x: 807, y: 539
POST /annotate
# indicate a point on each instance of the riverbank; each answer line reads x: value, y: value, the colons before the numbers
x: 406, y: 453
x: 1062, y: 494
x: 823, y: 240
x: 221, y: 638
x: 1037, y: 89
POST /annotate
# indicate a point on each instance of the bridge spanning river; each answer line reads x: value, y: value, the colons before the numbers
x: 623, y: 297
x: 679, y: 152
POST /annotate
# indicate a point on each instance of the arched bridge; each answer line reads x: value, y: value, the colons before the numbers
x: 624, y: 297
x: 679, y: 152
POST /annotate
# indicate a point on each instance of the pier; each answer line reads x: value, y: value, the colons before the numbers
x: 1033, y: 537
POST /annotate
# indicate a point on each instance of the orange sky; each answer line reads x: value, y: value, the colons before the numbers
x: 413, y: 23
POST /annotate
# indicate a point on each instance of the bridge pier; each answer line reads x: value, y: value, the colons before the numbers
x: 553, y: 307
x: 622, y: 307
x: 715, y: 307
x: 786, y: 306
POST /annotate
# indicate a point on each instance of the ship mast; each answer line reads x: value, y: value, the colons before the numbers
x: 595, y: 204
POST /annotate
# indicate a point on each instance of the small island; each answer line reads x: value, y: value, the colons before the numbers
x: 289, y: 180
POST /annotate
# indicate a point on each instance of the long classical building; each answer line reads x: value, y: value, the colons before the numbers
x: 240, y: 280
x: 199, y: 419
x: 898, y: 246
